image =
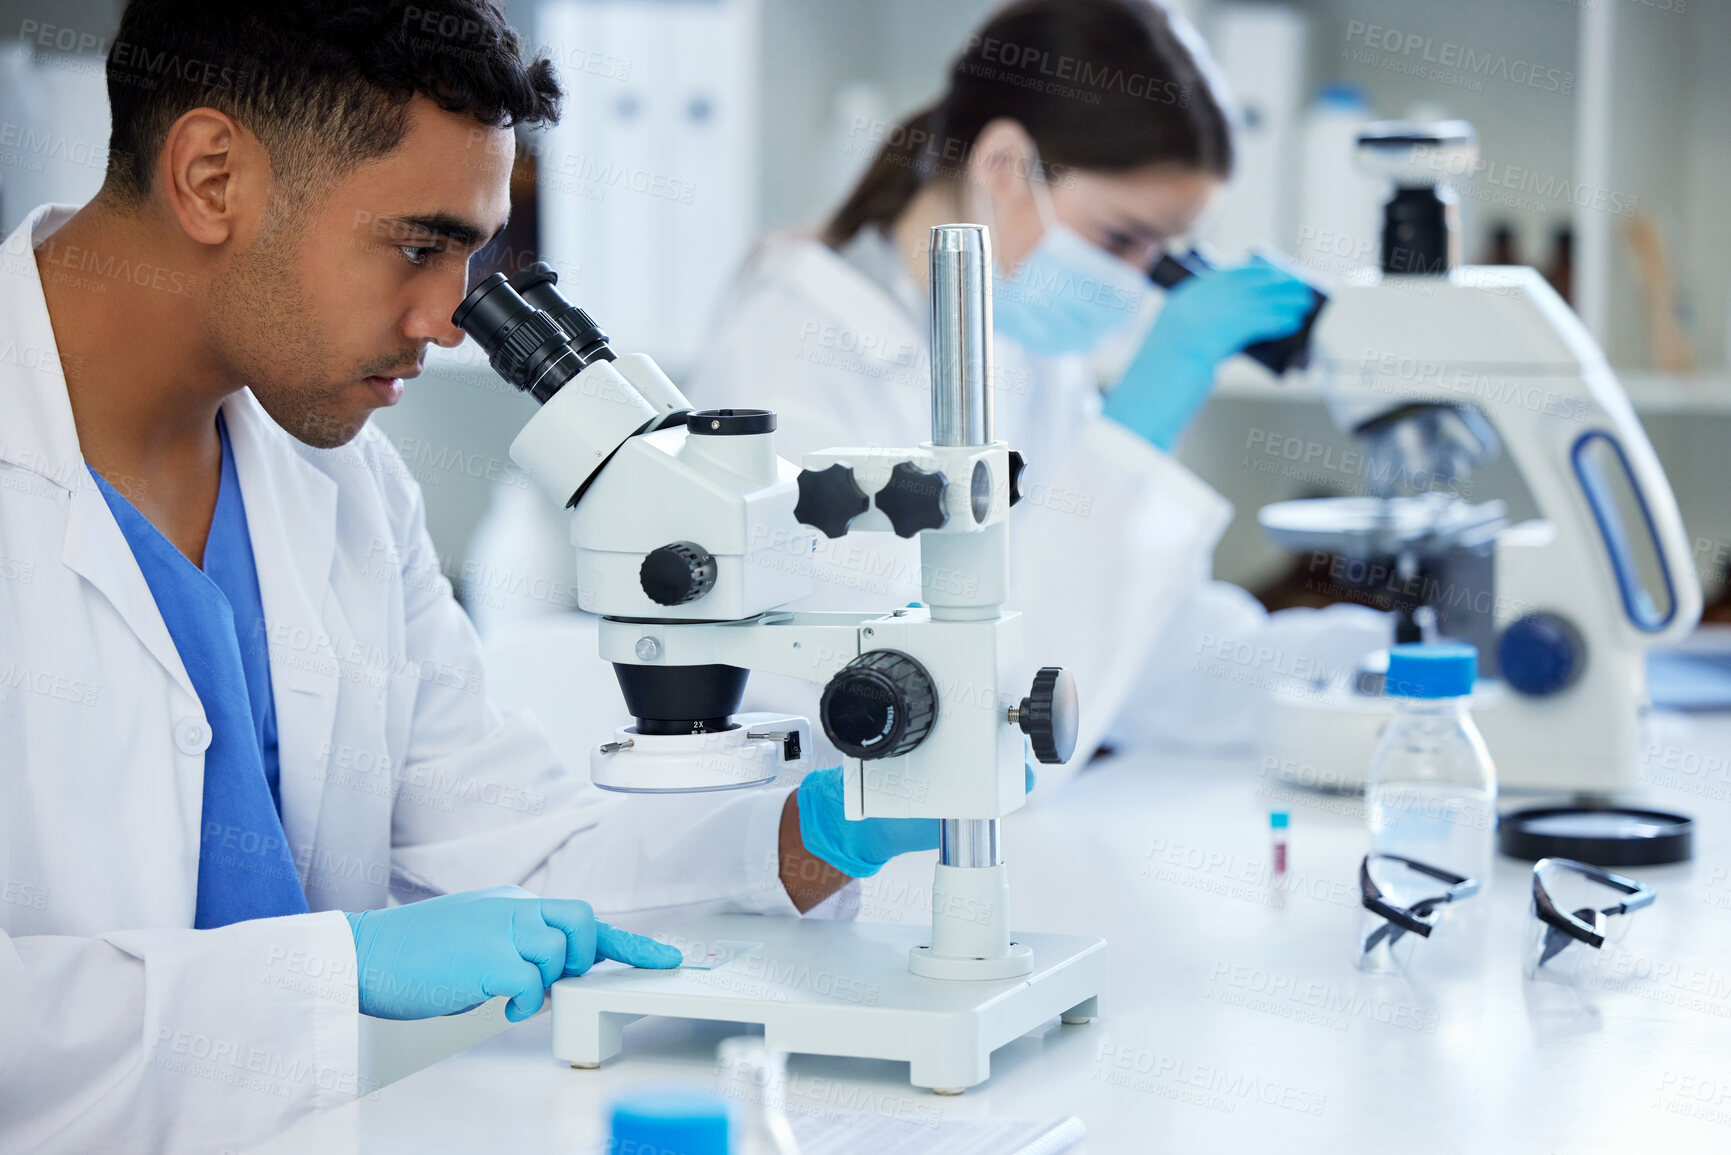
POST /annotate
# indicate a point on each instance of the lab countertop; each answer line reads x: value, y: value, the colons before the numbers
x: 1235, y: 1020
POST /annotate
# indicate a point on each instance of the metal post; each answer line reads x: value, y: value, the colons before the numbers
x: 970, y: 885
x: 968, y: 842
x: 961, y: 273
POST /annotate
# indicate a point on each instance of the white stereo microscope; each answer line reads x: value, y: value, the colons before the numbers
x: 690, y: 534
x: 1435, y: 366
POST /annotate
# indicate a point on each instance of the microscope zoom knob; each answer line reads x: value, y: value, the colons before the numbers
x: 913, y: 499
x: 1017, y: 464
x: 1049, y: 714
x: 1542, y: 653
x: 829, y: 499
x: 677, y: 573
x: 880, y: 705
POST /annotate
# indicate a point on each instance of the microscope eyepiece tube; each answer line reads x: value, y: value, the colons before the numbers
x: 523, y: 344
x: 532, y: 348
x: 961, y: 275
x: 538, y: 285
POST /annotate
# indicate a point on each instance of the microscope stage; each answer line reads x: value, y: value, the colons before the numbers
x: 834, y: 988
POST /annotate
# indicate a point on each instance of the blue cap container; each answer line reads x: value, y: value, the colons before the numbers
x: 1431, y: 670
x: 669, y: 1122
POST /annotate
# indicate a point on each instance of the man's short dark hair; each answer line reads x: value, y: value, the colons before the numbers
x: 324, y: 84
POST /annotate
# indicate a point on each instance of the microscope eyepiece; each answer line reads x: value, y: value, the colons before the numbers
x: 529, y: 344
x: 522, y: 343
x: 538, y: 284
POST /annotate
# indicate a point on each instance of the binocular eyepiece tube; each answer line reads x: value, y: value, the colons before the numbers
x: 533, y: 337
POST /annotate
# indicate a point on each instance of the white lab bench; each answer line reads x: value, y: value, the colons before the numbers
x: 1235, y: 1020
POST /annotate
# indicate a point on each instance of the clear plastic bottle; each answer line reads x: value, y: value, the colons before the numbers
x: 754, y: 1077
x: 1431, y: 789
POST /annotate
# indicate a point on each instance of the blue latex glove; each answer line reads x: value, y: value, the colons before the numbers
x: 1205, y: 320
x: 860, y: 849
x: 448, y: 954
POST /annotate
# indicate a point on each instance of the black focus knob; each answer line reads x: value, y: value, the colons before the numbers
x: 678, y: 573
x: 879, y: 705
x: 1017, y: 464
x: 829, y: 499
x: 1048, y: 715
x: 913, y: 499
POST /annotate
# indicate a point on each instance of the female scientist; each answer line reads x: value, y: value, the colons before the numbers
x: 1086, y: 136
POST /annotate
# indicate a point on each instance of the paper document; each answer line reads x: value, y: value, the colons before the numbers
x: 828, y: 1134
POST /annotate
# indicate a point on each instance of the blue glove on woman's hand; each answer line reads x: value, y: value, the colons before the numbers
x: 1204, y: 320
x: 859, y: 849
x: 448, y: 954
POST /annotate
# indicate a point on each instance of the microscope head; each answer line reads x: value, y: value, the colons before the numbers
x: 691, y: 535
x: 678, y: 516
x: 1417, y: 153
x: 1421, y: 227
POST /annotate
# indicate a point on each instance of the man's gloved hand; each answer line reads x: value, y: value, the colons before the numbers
x: 1205, y: 320
x: 448, y: 954
x: 859, y: 849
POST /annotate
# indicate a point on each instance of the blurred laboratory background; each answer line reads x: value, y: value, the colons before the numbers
x: 692, y: 126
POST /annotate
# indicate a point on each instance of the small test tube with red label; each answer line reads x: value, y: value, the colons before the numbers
x: 1277, y: 826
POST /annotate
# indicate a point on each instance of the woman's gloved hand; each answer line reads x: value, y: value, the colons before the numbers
x: 859, y: 849
x: 1204, y: 320
x: 448, y: 954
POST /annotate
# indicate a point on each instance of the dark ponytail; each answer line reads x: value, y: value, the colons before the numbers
x: 1098, y: 84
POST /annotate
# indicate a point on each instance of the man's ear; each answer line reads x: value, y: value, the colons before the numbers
x: 216, y: 175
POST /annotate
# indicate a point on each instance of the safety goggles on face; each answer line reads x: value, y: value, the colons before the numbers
x: 1393, y: 921
x: 1576, y: 906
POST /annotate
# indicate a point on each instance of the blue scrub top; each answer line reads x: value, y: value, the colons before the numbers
x: 216, y: 619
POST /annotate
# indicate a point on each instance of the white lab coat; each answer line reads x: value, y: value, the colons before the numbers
x: 1112, y: 539
x: 122, y: 1028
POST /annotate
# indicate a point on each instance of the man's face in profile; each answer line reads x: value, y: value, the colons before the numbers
x: 332, y: 306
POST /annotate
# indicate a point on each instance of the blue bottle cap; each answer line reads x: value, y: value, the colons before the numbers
x: 669, y: 1121
x: 1277, y: 819
x: 1346, y: 96
x: 1431, y: 670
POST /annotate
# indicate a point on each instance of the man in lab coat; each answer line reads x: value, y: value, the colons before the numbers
x: 226, y: 722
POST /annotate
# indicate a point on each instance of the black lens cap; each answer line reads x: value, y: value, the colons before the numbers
x: 1601, y: 835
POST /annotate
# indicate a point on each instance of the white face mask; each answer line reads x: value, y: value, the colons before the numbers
x: 1068, y: 294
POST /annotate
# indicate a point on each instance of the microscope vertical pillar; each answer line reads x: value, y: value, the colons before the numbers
x: 961, y: 276
x: 971, y: 889
x: 970, y: 908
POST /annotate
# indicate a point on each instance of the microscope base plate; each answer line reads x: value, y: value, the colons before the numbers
x: 836, y: 988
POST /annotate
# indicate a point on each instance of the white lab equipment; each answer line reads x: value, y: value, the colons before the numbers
x: 682, y: 521
x: 648, y: 183
x: 1338, y: 204
x: 398, y: 776
x: 1261, y: 50
x: 1434, y: 366
x: 835, y: 342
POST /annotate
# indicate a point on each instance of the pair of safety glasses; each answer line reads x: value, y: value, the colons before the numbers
x: 1576, y: 908
x: 1402, y: 899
